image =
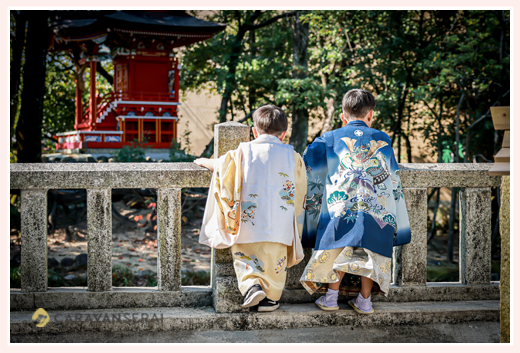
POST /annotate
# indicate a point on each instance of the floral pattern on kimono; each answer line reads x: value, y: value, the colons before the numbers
x: 324, y: 265
x: 263, y: 263
x: 248, y: 188
x: 355, y: 196
x: 287, y: 193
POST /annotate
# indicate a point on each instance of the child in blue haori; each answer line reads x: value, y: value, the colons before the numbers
x: 255, y: 206
x: 355, y: 210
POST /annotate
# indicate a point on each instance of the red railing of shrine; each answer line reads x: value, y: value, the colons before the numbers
x: 105, y: 100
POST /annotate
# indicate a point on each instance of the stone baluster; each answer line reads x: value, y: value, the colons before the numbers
x: 410, y: 259
x: 34, y: 240
x: 169, y: 239
x: 226, y: 296
x: 99, y: 226
x: 475, y: 236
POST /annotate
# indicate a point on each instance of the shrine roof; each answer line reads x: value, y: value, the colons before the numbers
x: 113, y: 28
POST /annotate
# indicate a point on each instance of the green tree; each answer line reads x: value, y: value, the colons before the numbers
x: 242, y: 63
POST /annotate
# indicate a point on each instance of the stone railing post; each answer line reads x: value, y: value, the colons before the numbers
x: 475, y: 236
x: 226, y: 296
x: 34, y: 240
x: 169, y: 239
x: 410, y: 259
x: 99, y: 226
x: 505, y: 279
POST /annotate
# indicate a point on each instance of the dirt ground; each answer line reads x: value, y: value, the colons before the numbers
x: 132, y: 246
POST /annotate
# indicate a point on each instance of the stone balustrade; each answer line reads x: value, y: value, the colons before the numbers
x: 34, y: 180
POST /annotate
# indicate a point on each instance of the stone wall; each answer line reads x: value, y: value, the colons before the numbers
x: 168, y: 178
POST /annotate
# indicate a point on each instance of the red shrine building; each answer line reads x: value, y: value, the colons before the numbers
x: 143, y: 103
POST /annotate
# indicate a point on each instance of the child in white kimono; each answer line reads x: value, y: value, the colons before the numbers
x: 255, y: 206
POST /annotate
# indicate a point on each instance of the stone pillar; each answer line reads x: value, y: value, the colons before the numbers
x: 226, y: 296
x: 505, y: 261
x: 34, y: 240
x: 99, y: 226
x: 410, y: 259
x: 169, y: 239
x: 475, y: 236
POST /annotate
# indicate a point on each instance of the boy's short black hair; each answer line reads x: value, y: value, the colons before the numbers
x: 357, y: 103
x: 270, y: 119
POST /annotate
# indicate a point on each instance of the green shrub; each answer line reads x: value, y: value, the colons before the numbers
x: 54, y: 279
x: 14, y: 212
x: 122, y: 276
x: 15, y: 277
x: 178, y: 154
x: 133, y: 153
x: 151, y: 280
x: 195, y: 278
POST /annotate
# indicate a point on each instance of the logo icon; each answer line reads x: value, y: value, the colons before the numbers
x: 358, y: 133
x: 40, y: 317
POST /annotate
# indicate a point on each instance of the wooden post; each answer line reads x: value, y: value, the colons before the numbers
x: 79, y: 102
x: 92, y: 101
x: 501, y: 118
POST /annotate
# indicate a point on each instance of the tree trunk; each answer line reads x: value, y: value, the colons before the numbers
x: 16, y: 65
x: 453, y: 205
x: 300, y: 117
x: 327, y: 123
x: 29, y: 127
x: 451, y: 229
x: 252, y: 89
x: 435, y: 210
x: 101, y: 70
x: 233, y: 63
x: 400, y: 111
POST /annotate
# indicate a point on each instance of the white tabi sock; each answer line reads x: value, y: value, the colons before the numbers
x: 331, y: 298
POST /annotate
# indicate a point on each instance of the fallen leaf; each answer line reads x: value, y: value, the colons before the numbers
x: 120, y: 244
x: 131, y: 249
x: 120, y: 257
x: 142, y: 269
x: 148, y: 216
x: 140, y: 260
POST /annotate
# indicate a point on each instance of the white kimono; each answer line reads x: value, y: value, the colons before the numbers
x: 257, y: 194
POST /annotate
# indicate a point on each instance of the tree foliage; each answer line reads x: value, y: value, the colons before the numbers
x: 435, y: 73
x: 418, y: 64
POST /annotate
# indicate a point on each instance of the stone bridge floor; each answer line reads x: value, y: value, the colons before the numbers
x: 426, y: 322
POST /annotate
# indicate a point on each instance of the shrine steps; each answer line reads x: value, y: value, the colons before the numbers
x: 427, y: 322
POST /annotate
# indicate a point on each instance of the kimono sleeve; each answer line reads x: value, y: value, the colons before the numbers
x: 221, y: 225
x: 300, y: 198
x: 403, y: 234
x: 315, y: 159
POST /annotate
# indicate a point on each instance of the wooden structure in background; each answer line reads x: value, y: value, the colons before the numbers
x: 143, y: 104
x: 500, y: 117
